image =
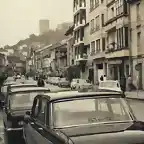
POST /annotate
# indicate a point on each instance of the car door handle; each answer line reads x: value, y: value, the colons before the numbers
x: 40, y: 129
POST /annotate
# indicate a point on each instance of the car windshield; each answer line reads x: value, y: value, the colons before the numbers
x: 23, y: 99
x: 87, y: 111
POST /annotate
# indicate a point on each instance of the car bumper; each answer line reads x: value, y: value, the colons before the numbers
x: 14, y: 134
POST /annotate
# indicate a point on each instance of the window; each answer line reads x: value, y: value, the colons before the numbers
x: 103, y: 44
x: 91, y: 5
x: 96, y: 3
x: 42, y: 112
x: 126, y: 37
x: 35, y: 107
x: 93, y: 47
x: 98, y: 45
x: 97, y: 20
x: 89, y: 111
x: 92, y: 26
x: 102, y: 20
x: 24, y: 99
x: 138, y: 39
x: 138, y: 11
x: 112, y: 12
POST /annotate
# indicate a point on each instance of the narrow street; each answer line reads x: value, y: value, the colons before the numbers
x: 136, y: 106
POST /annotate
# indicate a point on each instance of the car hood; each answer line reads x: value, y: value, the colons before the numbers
x: 118, y: 133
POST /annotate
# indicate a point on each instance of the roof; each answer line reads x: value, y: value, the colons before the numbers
x: 43, y: 48
x: 24, y: 89
x: 69, y: 31
x: 23, y: 85
x: 54, y: 96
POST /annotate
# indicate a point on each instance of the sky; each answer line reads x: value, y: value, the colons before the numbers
x: 20, y: 18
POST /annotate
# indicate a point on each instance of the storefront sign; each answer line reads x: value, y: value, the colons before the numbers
x: 115, y: 62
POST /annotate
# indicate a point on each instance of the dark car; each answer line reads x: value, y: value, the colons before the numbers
x: 4, y: 89
x: 17, y: 102
x: 82, y: 118
x: 8, y: 87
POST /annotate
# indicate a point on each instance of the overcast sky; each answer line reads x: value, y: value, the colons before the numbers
x: 20, y: 18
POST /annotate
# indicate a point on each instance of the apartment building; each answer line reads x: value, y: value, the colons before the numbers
x: 137, y: 37
x: 109, y: 38
x: 80, y: 50
x: 97, y: 36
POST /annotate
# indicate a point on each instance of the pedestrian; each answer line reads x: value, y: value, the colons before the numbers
x: 123, y: 83
x: 105, y: 78
x: 40, y: 82
x: 129, y: 83
x: 101, y: 78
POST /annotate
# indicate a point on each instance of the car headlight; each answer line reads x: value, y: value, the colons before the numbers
x: 20, y: 123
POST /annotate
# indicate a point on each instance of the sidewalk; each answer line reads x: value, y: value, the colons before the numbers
x: 137, y: 95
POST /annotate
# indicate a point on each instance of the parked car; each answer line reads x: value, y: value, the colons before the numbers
x: 17, y: 102
x: 56, y: 80
x: 110, y: 85
x: 63, y: 82
x: 4, y: 91
x: 82, y: 117
x: 80, y: 83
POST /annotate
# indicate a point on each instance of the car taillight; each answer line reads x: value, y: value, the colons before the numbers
x: 20, y: 123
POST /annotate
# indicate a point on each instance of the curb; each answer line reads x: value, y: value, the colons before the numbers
x: 138, y: 99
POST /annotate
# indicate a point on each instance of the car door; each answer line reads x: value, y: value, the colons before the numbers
x: 43, y: 133
x: 29, y: 129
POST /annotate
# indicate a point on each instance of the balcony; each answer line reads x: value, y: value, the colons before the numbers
x: 78, y: 41
x: 77, y: 8
x: 132, y: 1
x: 83, y: 58
x: 99, y: 55
x: 118, y: 54
x: 79, y: 24
x: 113, y: 22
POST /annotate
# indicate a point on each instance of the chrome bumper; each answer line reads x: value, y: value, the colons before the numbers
x: 13, y: 129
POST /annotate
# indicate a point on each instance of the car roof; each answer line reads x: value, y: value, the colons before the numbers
x: 10, y: 83
x: 23, y: 85
x: 54, y: 96
x: 24, y: 89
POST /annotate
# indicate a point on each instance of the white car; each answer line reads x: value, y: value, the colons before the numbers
x: 80, y: 84
x: 110, y: 85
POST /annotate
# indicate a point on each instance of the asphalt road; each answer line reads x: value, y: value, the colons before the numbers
x: 137, y: 107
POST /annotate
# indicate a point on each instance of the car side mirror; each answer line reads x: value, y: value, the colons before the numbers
x: 27, y: 117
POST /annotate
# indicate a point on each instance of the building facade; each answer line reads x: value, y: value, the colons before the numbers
x: 137, y: 37
x: 80, y: 21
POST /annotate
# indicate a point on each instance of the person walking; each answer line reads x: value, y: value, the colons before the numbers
x: 101, y: 78
x: 123, y: 83
x: 129, y: 83
x: 105, y: 78
x: 40, y: 82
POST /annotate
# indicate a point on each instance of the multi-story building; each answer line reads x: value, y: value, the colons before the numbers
x: 137, y: 36
x: 70, y: 48
x: 109, y: 46
x: 97, y: 38
x: 80, y: 50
